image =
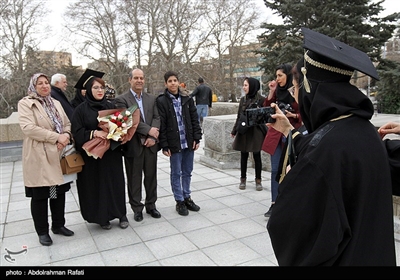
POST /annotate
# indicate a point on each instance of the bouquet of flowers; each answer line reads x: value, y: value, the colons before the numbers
x: 120, y: 124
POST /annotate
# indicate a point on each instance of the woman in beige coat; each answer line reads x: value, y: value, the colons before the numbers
x: 46, y: 130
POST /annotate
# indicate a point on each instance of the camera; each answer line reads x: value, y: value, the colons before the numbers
x: 261, y: 115
x: 285, y: 107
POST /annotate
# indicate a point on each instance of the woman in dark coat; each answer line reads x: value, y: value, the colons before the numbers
x: 101, y: 184
x: 252, y: 139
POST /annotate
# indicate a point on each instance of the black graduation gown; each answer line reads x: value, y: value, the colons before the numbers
x: 334, y: 206
x: 101, y: 184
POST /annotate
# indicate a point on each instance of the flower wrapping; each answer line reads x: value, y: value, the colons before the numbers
x: 120, y: 124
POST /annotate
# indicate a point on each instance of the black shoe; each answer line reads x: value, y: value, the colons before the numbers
x: 123, y: 222
x: 154, y: 213
x: 191, y: 205
x: 138, y: 216
x: 62, y: 230
x: 181, y: 208
x: 45, y: 239
x: 106, y: 226
x: 268, y: 214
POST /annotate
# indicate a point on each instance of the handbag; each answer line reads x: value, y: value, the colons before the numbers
x: 71, y: 160
x: 242, y: 124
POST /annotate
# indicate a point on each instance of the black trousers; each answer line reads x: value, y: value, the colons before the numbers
x: 257, y: 164
x: 136, y: 167
x: 39, y: 210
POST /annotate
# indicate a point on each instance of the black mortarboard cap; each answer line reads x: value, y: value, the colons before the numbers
x: 89, y: 73
x: 339, y: 52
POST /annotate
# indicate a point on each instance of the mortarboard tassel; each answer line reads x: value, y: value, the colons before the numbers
x: 305, y: 82
x: 304, y: 71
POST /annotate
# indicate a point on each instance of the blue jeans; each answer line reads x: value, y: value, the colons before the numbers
x: 181, y: 165
x: 275, y: 158
x: 202, y: 111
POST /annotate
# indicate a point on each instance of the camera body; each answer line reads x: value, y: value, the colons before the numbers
x: 261, y: 115
x: 285, y: 107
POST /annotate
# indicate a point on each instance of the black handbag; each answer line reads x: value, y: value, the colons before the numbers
x: 242, y: 124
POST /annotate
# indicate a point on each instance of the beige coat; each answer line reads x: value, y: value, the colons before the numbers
x: 40, y: 156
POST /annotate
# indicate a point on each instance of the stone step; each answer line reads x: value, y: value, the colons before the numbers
x: 10, y: 151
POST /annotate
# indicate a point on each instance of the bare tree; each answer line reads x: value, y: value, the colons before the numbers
x: 165, y: 35
x: 100, y: 33
x: 193, y: 37
x: 21, y: 21
x: 233, y: 26
x: 140, y: 35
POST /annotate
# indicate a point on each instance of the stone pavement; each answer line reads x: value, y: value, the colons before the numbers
x: 229, y: 230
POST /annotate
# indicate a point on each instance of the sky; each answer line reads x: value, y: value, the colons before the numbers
x: 57, y: 8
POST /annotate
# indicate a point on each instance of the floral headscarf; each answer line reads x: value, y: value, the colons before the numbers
x: 46, y: 101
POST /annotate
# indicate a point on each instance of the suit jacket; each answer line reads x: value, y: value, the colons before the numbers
x: 59, y: 95
x: 134, y: 147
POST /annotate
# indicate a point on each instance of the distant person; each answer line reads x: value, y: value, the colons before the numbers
x: 79, y: 97
x: 183, y: 88
x: 252, y: 139
x: 203, y: 95
x: 334, y: 206
x: 110, y: 93
x: 47, y: 130
x: 140, y: 153
x: 58, y: 88
x: 180, y: 135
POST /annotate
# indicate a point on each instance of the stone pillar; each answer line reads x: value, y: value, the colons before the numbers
x: 218, y: 150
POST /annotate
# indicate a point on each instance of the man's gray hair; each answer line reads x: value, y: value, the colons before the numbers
x: 57, y: 78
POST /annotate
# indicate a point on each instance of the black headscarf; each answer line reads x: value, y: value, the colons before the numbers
x: 282, y: 93
x: 93, y: 102
x: 254, y: 87
x: 331, y: 95
x: 78, y: 99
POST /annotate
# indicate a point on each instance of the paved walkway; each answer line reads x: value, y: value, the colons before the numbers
x: 229, y: 230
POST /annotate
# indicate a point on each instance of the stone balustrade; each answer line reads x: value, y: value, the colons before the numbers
x: 10, y: 129
x: 218, y: 150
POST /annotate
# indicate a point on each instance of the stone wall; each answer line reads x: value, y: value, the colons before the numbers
x: 223, y: 108
x: 218, y: 150
x: 10, y: 129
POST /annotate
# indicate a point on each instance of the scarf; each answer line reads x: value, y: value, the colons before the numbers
x: 47, y: 102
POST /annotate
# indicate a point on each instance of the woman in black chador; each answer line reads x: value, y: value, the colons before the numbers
x: 334, y: 205
x: 101, y: 184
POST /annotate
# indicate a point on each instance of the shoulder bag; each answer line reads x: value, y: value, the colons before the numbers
x: 71, y: 160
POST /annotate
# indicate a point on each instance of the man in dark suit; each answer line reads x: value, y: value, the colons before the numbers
x: 58, y: 88
x: 140, y: 153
